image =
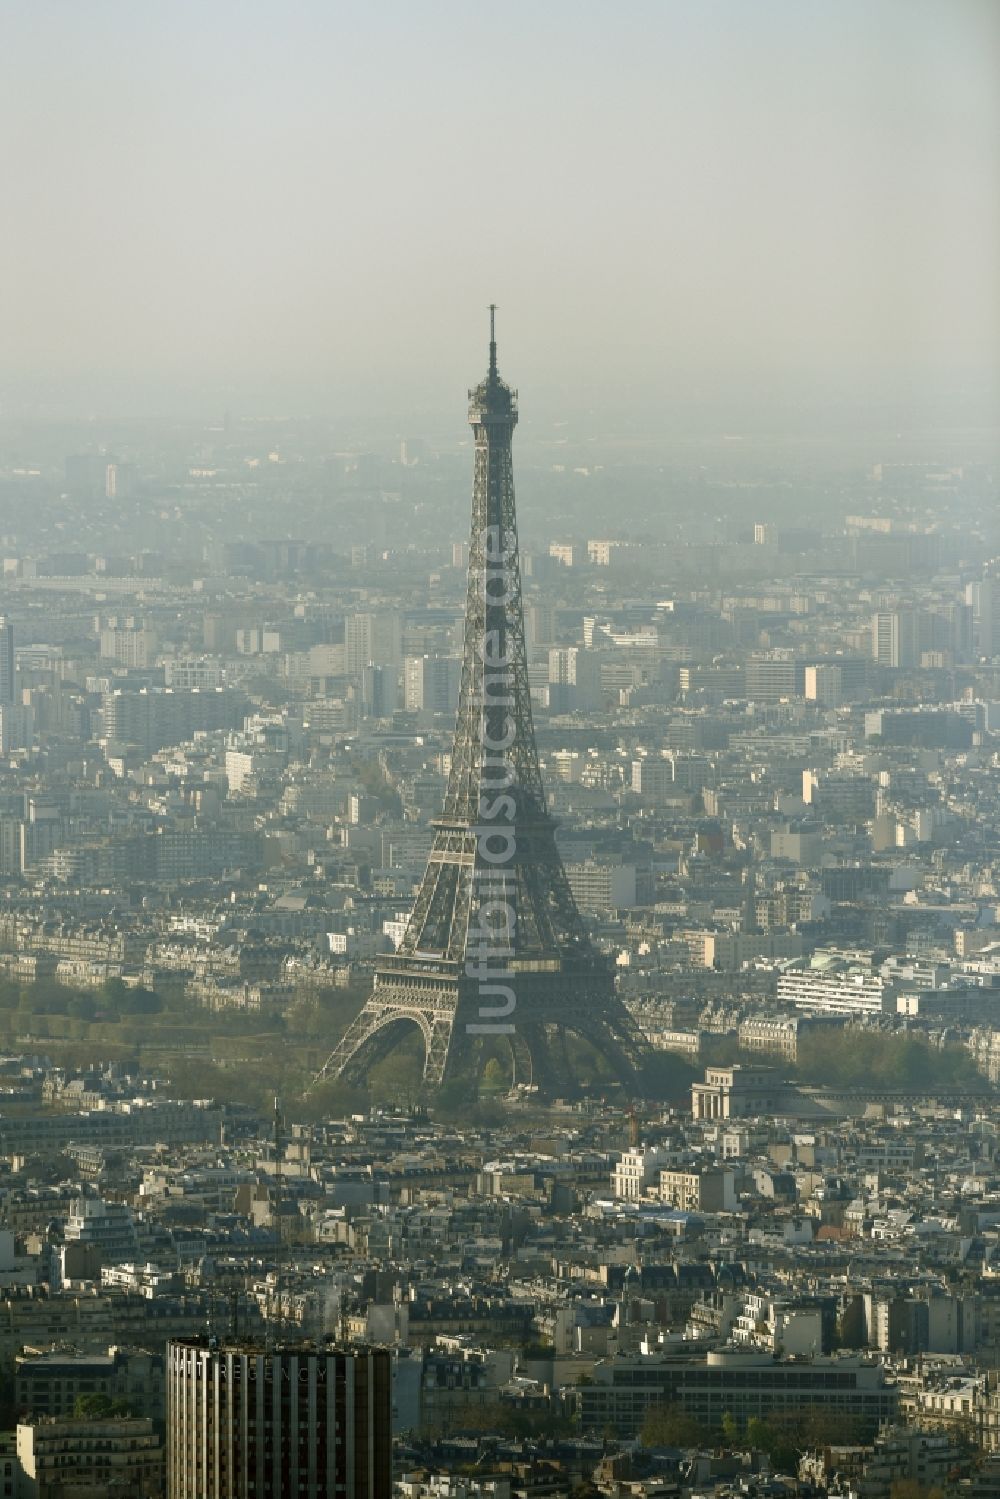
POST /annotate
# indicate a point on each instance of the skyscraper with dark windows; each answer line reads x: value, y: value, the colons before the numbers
x: 294, y: 1421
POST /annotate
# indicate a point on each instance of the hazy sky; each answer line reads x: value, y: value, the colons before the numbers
x: 270, y: 201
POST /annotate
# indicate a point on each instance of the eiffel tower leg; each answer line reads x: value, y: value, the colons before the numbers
x: 361, y: 1029
x: 521, y: 1062
x: 560, y: 1047
x: 626, y: 1036
x: 373, y: 1034
x: 544, y: 1075
x: 440, y: 1055
x: 607, y: 1042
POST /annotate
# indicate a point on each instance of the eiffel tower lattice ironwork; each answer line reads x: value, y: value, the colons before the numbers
x: 494, y: 945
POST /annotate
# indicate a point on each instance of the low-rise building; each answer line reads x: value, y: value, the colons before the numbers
x: 742, y: 1385
x: 100, y: 1457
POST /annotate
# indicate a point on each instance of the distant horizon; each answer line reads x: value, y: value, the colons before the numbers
x: 671, y: 206
x: 728, y: 407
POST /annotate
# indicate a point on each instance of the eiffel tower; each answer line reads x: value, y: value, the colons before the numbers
x: 494, y: 946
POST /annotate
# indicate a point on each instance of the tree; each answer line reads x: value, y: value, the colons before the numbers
x: 862, y: 1057
x: 495, y: 1079
x: 730, y: 1429
x: 114, y: 992
x: 452, y: 1100
x: 785, y: 1435
x: 670, y: 1426
x: 912, y: 1488
x: 818, y: 1427
x: 667, y: 1076
x: 141, y: 1001
x: 775, y: 1439
x: 99, y: 1407
x: 759, y: 1434
x: 82, y: 1007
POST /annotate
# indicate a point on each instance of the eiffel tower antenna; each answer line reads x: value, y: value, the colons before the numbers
x: 494, y: 946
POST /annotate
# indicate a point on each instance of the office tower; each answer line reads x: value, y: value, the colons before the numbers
x: 539, y: 625
x: 292, y: 1422
x: 983, y: 597
x: 824, y: 685
x: 372, y: 639
x: 8, y: 733
x: 494, y: 945
x: 379, y: 691
x: 6, y: 661
x: 119, y: 480
x: 896, y: 638
x: 574, y: 680
x: 959, y: 622
x: 431, y: 683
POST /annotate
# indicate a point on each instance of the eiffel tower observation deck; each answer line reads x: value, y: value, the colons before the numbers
x: 494, y: 947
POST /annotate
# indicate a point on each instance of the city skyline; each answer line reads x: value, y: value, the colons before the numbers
x: 501, y: 1007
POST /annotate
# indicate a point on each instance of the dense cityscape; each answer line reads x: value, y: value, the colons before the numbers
x: 500, y: 750
x: 761, y: 1261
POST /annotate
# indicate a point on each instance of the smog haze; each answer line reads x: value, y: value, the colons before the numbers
x: 678, y: 208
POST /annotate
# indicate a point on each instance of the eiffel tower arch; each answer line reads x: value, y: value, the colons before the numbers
x: 494, y: 947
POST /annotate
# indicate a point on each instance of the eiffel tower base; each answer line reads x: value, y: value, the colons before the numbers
x: 454, y: 1014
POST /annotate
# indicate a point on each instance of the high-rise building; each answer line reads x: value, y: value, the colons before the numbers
x: 10, y: 729
x: 983, y: 597
x: 6, y: 661
x: 539, y: 625
x: 372, y: 639
x: 896, y: 638
x: 119, y: 480
x: 292, y: 1422
x: 575, y: 673
x: 824, y: 685
x: 494, y: 945
x: 379, y: 691
x: 430, y: 683
x: 127, y: 640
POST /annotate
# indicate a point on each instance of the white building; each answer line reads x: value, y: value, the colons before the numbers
x: 824, y: 685
x: 638, y: 1171
x: 602, y: 887
x: 372, y: 639
x: 431, y: 684
x: 838, y: 991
